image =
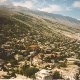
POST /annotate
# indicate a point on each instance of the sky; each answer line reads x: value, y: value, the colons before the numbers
x: 64, y: 7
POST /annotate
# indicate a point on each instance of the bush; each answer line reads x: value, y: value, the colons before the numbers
x: 56, y: 75
x: 62, y: 64
x: 30, y: 71
x: 77, y: 63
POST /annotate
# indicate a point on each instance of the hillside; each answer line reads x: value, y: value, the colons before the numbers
x: 63, y: 24
x: 32, y: 41
x: 53, y: 17
x: 17, y: 26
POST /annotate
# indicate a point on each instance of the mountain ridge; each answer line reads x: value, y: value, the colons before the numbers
x: 44, y: 23
x: 54, y: 17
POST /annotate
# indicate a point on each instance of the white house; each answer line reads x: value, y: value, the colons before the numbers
x: 43, y: 75
x: 18, y: 57
x: 72, y: 60
x: 37, y: 61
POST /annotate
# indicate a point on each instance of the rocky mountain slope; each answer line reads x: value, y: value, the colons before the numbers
x: 65, y: 25
x: 54, y: 17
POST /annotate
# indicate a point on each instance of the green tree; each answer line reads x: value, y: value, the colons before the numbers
x: 30, y: 71
x: 77, y: 63
x: 62, y: 64
x: 56, y: 75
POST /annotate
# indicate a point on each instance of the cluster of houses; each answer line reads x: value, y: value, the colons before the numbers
x: 41, y: 51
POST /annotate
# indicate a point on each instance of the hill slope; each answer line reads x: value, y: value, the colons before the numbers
x: 54, y: 17
x: 19, y: 30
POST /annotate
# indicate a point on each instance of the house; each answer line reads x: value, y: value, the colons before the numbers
x: 9, y: 65
x: 2, y: 74
x: 72, y: 60
x: 43, y: 75
x: 23, y: 51
x: 32, y: 52
x: 21, y: 63
x: 37, y: 60
x: 33, y: 47
x: 46, y: 65
x: 48, y: 49
x: 18, y: 57
x: 56, y: 54
x: 48, y: 55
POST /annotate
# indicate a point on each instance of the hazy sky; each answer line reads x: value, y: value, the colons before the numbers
x: 64, y: 7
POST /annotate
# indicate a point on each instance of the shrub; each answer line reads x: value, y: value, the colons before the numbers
x: 56, y: 75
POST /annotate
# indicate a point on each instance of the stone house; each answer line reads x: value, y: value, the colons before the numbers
x: 18, y: 57
x: 43, y: 75
x: 37, y: 60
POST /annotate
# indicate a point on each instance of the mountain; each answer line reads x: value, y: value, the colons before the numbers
x: 64, y: 24
x: 66, y: 20
x: 54, y: 17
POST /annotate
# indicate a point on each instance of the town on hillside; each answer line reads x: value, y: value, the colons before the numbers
x: 36, y: 45
x: 40, y: 57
